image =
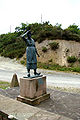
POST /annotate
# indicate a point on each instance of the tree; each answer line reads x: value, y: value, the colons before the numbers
x: 73, y: 28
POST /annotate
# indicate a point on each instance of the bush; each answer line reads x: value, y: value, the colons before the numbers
x: 22, y: 62
x: 79, y: 60
x: 71, y: 59
x: 54, y: 45
x: 44, y: 49
x: 50, y: 60
x: 76, y: 69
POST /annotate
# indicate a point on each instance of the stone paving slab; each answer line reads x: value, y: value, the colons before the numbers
x: 63, y: 103
x: 43, y: 115
x: 23, y: 111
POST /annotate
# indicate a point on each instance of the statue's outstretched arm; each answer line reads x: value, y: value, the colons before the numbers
x: 23, y: 35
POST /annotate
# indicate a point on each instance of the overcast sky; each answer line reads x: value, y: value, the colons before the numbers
x: 14, y: 12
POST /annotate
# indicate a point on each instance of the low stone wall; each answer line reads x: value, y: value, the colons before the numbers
x: 4, y: 116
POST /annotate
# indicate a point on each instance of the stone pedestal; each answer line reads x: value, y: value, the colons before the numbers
x: 33, y: 90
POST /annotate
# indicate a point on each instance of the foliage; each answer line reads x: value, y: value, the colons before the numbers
x: 71, y: 59
x: 76, y: 69
x: 54, y: 45
x: 12, y: 45
x: 71, y: 33
x: 79, y: 60
x: 73, y: 28
x: 44, y: 49
x: 4, y: 85
x: 45, y: 30
x: 58, y: 67
x: 22, y: 62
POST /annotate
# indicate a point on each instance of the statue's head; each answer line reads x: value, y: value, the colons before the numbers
x: 29, y: 33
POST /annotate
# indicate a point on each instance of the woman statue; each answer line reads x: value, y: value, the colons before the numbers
x: 31, y: 52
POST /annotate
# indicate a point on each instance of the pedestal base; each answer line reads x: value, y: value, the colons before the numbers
x: 34, y: 101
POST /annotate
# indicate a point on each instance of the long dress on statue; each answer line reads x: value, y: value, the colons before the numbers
x: 31, y: 53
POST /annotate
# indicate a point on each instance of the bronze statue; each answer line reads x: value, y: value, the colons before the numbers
x: 31, y: 52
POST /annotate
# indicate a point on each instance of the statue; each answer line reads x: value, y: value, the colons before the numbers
x: 31, y: 53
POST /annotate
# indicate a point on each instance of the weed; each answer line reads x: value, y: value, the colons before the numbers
x: 57, y: 67
x: 44, y: 49
x: 54, y: 45
x: 71, y: 59
x: 4, y: 85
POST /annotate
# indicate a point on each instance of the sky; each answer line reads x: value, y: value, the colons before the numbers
x: 15, y: 12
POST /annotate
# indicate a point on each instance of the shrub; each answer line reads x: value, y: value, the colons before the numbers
x: 79, y: 60
x: 22, y: 62
x: 54, y: 45
x: 71, y: 59
x: 50, y: 60
x: 44, y: 49
x: 76, y: 69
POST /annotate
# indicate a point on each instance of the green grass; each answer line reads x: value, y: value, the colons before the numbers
x: 58, y: 67
x: 4, y: 85
x: 22, y: 62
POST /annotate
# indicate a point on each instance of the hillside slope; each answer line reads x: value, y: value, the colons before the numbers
x: 60, y: 55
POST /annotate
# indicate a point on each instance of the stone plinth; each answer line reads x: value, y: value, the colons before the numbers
x: 33, y: 90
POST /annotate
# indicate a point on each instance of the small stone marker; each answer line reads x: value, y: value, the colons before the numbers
x: 14, y: 82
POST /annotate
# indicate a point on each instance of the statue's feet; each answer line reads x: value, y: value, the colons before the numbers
x: 37, y: 74
x: 28, y: 74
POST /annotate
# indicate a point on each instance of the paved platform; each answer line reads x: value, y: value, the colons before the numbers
x: 60, y: 103
x: 23, y: 111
